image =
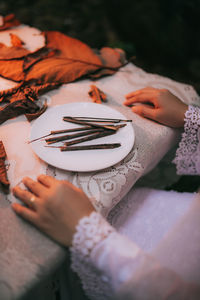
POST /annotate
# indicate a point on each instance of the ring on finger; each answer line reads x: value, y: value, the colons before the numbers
x: 32, y: 201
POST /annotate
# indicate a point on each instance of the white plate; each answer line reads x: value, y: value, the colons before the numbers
x: 87, y: 160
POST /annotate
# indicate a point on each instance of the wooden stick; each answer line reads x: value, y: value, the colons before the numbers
x: 72, y: 120
x: 91, y: 147
x: 73, y: 130
x: 92, y: 119
x: 90, y: 138
x: 71, y: 136
x: 61, y: 131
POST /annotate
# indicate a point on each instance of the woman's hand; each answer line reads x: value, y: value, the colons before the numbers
x: 54, y: 206
x: 159, y: 105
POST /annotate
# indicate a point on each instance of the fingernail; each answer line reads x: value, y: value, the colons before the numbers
x: 15, y: 188
x: 42, y: 175
x: 14, y: 206
x: 25, y: 179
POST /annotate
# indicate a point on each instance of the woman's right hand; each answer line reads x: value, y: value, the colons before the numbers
x: 54, y: 206
x: 159, y: 105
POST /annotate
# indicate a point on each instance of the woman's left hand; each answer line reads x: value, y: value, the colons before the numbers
x: 52, y: 205
x: 159, y: 105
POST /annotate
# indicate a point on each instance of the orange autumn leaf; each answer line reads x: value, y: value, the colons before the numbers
x: 111, y: 58
x: 72, y: 60
x: 16, y: 41
x: 63, y: 59
x: 10, y: 53
x: 4, y: 182
x: 97, y: 95
x: 15, y: 61
x: 12, y: 69
x: 9, y: 21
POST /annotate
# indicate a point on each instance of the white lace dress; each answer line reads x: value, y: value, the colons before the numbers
x: 151, y: 241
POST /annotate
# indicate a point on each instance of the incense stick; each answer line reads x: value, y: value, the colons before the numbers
x: 93, y: 119
x: 72, y: 120
x: 91, y: 147
x: 72, y: 136
x: 87, y: 147
x: 90, y: 138
x: 61, y: 131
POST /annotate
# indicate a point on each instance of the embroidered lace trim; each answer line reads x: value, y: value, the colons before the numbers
x: 89, y: 232
x: 187, y: 158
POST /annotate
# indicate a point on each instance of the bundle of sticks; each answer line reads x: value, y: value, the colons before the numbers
x: 90, y: 129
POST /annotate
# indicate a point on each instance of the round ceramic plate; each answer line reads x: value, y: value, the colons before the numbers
x: 87, y: 160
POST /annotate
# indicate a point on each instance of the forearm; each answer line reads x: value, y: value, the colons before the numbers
x: 101, y: 257
x: 112, y: 264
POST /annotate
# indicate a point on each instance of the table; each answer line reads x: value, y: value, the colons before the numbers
x: 26, y: 255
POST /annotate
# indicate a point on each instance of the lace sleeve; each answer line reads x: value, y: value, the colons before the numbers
x: 102, y: 258
x: 111, y: 266
x: 89, y: 232
x: 187, y: 158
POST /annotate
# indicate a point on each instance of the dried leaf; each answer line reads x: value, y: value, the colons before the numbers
x: 36, y: 56
x: 96, y: 94
x: 4, y: 182
x: 62, y: 60
x: 12, y: 69
x: 17, y: 108
x: 22, y: 100
x: 112, y: 58
x: 16, y: 41
x: 72, y: 60
x: 9, y: 21
x: 33, y: 116
x: 23, y: 91
x: 11, y: 53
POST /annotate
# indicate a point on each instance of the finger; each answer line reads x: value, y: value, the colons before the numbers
x: 25, y: 196
x: 46, y: 180
x: 138, y: 92
x: 34, y: 186
x: 145, y: 111
x: 140, y: 98
x: 134, y: 93
x: 24, y: 212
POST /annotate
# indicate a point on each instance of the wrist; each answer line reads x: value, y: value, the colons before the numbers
x: 89, y: 232
x: 182, y: 112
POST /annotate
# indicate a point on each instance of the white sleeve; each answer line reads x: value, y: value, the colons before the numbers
x: 107, y: 261
x: 101, y: 257
x: 187, y: 158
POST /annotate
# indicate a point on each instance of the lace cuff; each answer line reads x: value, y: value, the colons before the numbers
x: 187, y: 158
x: 90, y: 231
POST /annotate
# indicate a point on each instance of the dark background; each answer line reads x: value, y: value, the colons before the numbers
x: 164, y: 35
